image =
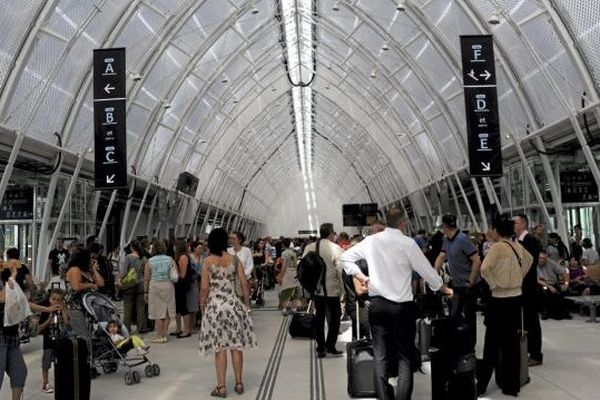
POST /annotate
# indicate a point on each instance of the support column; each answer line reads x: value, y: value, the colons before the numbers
x: 66, y: 203
x: 467, y: 203
x: 205, y: 221
x: 111, y: 202
x: 194, y: 224
x: 222, y: 224
x: 125, y: 220
x: 555, y: 192
x: 11, y: 163
x: 459, y: 218
x: 229, y: 222
x: 484, y: 221
x: 139, y: 213
x: 149, y: 233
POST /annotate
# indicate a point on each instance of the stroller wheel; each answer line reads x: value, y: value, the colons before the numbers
x: 136, y: 377
x: 107, y: 368
x: 128, y: 377
x: 156, y: 369
x: 114, y: 367
x: 149, y: 371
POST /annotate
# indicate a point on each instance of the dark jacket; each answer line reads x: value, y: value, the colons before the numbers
x: 530, y: 281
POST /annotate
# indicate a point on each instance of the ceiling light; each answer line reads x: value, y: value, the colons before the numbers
x: 224, y: 80
x: 336, y: 6
x: 201, y: 141
x: 254, y: 10
x: 235, y: 100
x: 385, y: 47
x: 373, y: 75
x: 401, y: 5
x: 273, y: 89
x: 494, y: 18
x: 136, y: 77
x: 166, y: 105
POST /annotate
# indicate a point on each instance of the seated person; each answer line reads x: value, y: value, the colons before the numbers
x: 553, y: 280
x: 578, y: 279
x: 590, y: 255
x: 126, y: 343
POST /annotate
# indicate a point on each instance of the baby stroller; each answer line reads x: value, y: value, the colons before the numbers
x: 105, y: 353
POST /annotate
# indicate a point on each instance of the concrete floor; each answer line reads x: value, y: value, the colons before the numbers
x: 282, y: 368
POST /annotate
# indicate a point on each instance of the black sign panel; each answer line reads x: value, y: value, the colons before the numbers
x: 110, y: 148
x: 17, y: 204
x: 481, y: 105
x: 109, y: 74
x: 110, y: 131
x: 578, y: 187
x: 307, y: 232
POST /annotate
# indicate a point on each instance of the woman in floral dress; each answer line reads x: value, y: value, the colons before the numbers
x: 226, y: 323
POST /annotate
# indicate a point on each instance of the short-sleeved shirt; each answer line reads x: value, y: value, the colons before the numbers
x: 160, y: 266
x: 58, y: 258
x: 550, y: 272
x: 6, y: 331
x: 459, y: 250
x: 553, y: 252
x: 590, y: 256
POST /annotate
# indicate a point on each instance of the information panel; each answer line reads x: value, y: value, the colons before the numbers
x: 578, y: 187
x: 481, y: 106
x: 17, y: 204
x: 110, y: 130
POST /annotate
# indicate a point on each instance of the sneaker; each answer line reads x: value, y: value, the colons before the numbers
x: 47, y: 389
x: 141, y: 351
x: 159, y: 340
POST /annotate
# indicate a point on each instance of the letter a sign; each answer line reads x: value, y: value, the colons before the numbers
x: 481, y: 104
x: 110, y: 132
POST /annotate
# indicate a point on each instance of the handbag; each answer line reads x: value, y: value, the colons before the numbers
x: 239, y: 291
x: 173, y: 273
x: 130, y: 279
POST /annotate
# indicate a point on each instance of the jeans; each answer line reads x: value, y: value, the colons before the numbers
x: 393, y: 329
x: 323, y: 304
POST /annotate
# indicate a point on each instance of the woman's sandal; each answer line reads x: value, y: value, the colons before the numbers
x: 239, y: 388
x: 219, y: 392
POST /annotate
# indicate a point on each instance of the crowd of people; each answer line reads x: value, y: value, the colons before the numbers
x: 208, y: 286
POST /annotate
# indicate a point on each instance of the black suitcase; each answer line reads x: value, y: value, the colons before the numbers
x: 301, y: 324
x: 423, y: 341
x: 71, y: 370
x: 524, y: 359
x: 452, y: 377
x: 360, y: 365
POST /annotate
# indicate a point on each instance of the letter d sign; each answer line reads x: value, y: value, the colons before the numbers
x: 481, y: 102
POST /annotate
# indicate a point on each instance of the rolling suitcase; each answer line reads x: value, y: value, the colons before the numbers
x: 360, y: 365
x: 72, y: 372
x: 523, y: 358
x: 301, y: 325
x: 424, y: 337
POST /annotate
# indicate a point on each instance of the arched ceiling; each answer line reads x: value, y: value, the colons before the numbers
x: 383, y: 115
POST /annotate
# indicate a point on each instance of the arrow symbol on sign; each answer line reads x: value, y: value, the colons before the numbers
x: 108, y: 88
x: 487, y: 75
x: 472, y: 75
x: 487, y: 167
x: 110, y: 179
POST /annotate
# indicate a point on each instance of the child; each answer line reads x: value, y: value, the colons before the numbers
x: 121, y: 342
x: 49, y: 327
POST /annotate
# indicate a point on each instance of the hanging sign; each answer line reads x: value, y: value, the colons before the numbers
x: 481, y: 106
x: 110, y: 131
x: 17, y: 204
x: 578, y: 187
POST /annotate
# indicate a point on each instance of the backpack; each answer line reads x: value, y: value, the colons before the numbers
x: 311, y: 271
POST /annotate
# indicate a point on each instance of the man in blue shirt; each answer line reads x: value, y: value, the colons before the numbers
x: 463, y: 266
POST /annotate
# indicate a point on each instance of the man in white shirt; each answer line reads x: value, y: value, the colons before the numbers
x: 392, y: 257
x: 236, y: 240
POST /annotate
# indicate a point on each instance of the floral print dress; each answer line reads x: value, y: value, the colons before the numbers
x: 225, y: 324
